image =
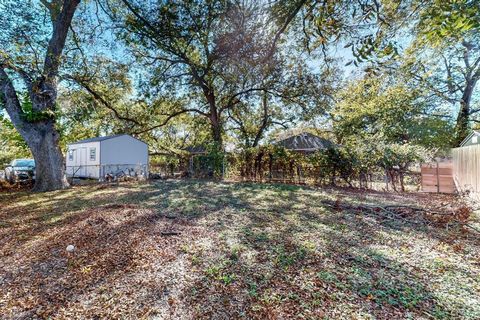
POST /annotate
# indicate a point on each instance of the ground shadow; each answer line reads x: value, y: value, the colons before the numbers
x: 242, y: 251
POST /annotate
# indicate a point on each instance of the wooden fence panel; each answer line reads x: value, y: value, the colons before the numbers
x: 438, y: 177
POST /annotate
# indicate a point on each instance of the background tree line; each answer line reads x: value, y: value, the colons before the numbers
x: 181, y: 73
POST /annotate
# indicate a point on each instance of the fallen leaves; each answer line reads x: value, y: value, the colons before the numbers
x: 184, y: 250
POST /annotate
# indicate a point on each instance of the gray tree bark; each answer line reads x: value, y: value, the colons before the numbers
x: 463, y: 118
x: 471, y: 74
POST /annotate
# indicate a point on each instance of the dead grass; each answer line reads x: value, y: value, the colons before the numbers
x: 243, y: 251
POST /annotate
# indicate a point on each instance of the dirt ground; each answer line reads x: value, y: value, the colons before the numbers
x: 209, y: 250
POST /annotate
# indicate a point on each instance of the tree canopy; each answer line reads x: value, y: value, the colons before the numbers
x: 194, y: 72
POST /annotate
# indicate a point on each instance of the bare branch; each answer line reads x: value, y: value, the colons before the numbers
x: 284, y: 27
x: 170, y: 117
x: 23, y: 74
x: 104, y: 102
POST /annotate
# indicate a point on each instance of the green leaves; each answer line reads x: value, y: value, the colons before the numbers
x: 31, y: 115
x: 452, y: 19
x: 12, y: 144
x: 372, y: 107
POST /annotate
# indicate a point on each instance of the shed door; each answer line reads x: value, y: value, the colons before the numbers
x: 80, y: 162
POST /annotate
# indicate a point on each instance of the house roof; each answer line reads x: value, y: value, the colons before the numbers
x: 467, y: 138
x: 305, y: 142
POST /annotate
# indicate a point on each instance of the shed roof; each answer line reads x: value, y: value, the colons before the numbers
x: 467, y: 138
x: 305, y: 142
x: 98, y: 139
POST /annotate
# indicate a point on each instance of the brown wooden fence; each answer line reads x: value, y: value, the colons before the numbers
x: 466, y: 168
x: 438, y: 177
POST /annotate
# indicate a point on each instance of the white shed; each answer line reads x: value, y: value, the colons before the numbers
x: 97, y: 157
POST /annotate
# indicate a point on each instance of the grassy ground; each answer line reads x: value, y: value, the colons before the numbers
x: 243, y: 251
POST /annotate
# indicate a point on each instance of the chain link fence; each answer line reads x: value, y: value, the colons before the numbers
x: 111, y: 172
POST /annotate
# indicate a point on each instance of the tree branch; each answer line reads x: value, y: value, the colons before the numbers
x: 97, y: 96
x: 56, y: 44
x: 167, y: 120
x: 230, y: 101
x: 284, y: 27
x: 264, y: 121
x: 23, y: 74
x: 9, y: 99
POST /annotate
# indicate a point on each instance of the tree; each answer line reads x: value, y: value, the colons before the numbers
x: 23, y: 42
x: 366, y: 27
x: 450, y: 66
x: 300, y: 95
x: 392, y: 111
x: 189, y: 45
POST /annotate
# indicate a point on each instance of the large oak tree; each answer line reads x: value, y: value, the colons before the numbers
x: 28, y: 71
x: 188, y: 48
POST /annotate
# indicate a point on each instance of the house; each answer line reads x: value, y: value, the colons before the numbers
x: 305, y: 143
x: 98, y: 157
x: 472, y: 139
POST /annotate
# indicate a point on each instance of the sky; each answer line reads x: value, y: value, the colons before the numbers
x: 104, y: 42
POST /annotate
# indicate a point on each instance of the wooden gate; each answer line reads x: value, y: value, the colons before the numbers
x: 438, y: 177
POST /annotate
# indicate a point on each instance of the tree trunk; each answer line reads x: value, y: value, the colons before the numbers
x: 50, y: 171
x: 270, y: 166
x: 332, y: 177
x: 215, y: 121
x: 392, y: 179
x: 217, y: 132
x: 461, y: 126
x: 258, y: 166
x: 463, y: 118
x: 247, y: 165
x: 402, y: 183
x: 41, y: 137
x: 37, y: 126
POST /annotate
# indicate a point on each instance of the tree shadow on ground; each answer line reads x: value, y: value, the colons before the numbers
x: 119, y: 249
x: 244, y: 251
x: 280, y: 236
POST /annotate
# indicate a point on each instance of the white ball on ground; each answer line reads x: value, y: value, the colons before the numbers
x: 70, y: 248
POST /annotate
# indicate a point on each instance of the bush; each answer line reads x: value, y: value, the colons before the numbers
x: 354, y: 162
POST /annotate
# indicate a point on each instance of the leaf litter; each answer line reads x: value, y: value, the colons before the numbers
x: 205, y: 250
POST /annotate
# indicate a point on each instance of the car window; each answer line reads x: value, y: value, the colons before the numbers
x: 24, y: 163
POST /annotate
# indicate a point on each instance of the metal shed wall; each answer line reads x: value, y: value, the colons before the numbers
x: 123, y: 153
x: 81, y: 165
x: 123, y: 150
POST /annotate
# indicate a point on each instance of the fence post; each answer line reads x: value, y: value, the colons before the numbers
x: 386, y: 179
x: 438, y: 177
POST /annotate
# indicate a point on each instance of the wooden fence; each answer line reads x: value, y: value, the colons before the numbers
x: 466, y: 168
x: 438, y: 177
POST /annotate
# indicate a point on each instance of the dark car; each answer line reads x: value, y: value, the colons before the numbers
x: 20, y: 170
